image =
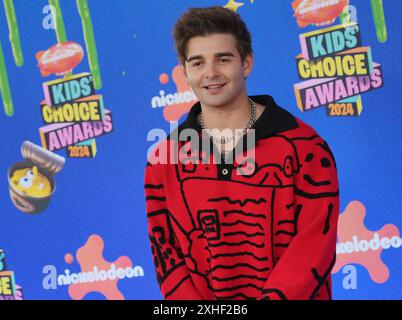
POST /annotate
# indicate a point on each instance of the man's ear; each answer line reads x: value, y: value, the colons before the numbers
x: 248, y: 64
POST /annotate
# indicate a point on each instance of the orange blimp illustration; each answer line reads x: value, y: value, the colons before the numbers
x: 60, y: 59
x: 31, y: 182
x: 317, y: 12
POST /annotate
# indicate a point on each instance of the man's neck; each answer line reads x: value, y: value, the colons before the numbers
x: 233, y: 116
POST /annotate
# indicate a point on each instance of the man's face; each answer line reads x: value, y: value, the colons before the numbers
x: 214, y: 69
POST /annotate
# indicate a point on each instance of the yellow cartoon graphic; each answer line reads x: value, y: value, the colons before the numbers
x: 31, y: 182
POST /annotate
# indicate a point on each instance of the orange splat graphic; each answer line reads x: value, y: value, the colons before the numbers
x: 351, y: 223
x: 164, y: 78
x: 68, y: 258
x: 89, y: 256
x: 175, y: 111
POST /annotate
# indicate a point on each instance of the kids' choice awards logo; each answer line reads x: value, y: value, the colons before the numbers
x: 359, y: 245
x: 335, y: 67
x: 73, y: 113
x: 9, y: 290
x: 178, y: 100
x: 95, y: 275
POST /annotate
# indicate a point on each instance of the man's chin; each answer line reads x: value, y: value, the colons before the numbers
x: 214, y: 102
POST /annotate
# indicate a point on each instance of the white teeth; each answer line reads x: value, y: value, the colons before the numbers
x: 215, y: 87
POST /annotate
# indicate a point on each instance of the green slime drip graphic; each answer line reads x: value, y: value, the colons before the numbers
x: 379, y: 20
x: 14, y: 37
x: 14, y: 32
x: 58, y: 20
x: 90, y: 42
x: 4, y: 87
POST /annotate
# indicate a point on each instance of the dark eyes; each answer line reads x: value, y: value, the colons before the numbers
x: 220, y: 60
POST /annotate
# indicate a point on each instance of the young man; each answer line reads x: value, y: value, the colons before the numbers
x: 247, y: 227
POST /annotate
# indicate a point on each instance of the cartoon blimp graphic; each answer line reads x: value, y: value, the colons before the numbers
x: 31, y: 182
x: 60, y: 59
x: 317, y: 12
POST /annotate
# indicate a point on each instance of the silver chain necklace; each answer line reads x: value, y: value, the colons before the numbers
x: 223, y: 140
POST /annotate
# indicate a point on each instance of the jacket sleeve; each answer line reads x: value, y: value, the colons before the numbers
x: 172, y: 274
x: 304, y: 270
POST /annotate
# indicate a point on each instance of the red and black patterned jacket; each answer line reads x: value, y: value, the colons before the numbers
x: 261, y: 227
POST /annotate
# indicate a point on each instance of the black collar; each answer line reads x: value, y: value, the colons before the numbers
x: 273, y: 120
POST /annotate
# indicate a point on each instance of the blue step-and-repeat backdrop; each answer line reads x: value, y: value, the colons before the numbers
x: 84, y: 83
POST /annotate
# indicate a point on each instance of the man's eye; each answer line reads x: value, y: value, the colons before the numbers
x: 224, y: 60
x: 196, y: 64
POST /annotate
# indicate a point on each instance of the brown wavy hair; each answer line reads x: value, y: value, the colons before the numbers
x: 210, y: 20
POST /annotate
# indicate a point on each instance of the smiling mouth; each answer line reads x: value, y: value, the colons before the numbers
x: 214, y: 86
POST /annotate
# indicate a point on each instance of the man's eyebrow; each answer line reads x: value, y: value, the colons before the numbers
x: 199, y: 57
x: 224, y: 54
x: 217, y: 55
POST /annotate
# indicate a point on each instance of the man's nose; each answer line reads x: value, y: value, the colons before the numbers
x: 211, y: 70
